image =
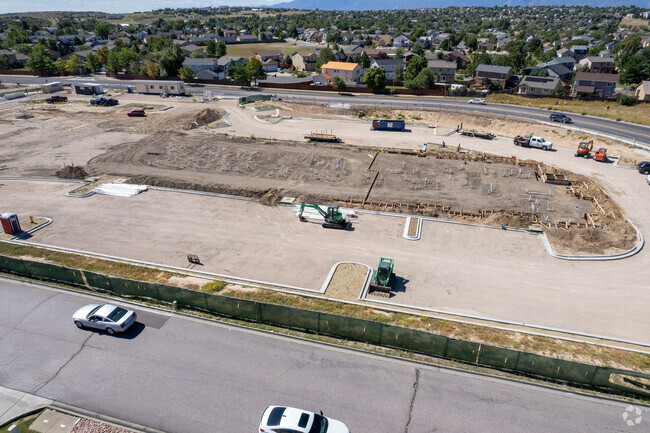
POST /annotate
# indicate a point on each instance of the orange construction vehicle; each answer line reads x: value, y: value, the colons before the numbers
x: 584, y: 148
x: 601, y: 155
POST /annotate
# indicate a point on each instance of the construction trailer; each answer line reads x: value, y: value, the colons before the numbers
x: 159, y: 87
x: 88, y: 89
x: 52, y: 87
x: 388, y: 125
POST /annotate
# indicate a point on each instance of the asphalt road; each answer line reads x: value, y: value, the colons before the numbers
x: 637, y: 134
x: 187, y: 375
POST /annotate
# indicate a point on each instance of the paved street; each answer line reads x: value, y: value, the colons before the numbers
x: 187, y: 375
x: 636, y: 133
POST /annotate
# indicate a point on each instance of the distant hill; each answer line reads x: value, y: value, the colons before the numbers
x: 363, y: 5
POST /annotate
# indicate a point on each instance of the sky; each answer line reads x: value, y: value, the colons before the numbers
x: 116, y: 6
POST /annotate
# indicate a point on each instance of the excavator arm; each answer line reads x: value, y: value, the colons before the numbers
x: 313, y: 206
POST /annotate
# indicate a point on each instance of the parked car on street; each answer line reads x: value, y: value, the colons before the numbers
x: 281, y: 419
x: 643, y: 167
x: 56, y: 98
x: 107, y: 317
x: 138, y: 112
x: 103, y: 101
x: 560, y: 117
x: 477, y: 101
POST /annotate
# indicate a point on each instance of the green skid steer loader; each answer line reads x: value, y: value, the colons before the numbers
x: 382, y: 281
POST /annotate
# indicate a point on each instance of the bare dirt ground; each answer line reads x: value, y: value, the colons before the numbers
x: 172, y: 148
x: 347, y: 281
x: 447, y: 120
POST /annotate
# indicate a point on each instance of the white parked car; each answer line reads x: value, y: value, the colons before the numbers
x: 647, y: 179
x: 477, y: 101
x: 107, y: 317
x: 282, y: 419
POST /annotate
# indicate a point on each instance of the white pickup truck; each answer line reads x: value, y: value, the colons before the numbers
x: 532, y: 141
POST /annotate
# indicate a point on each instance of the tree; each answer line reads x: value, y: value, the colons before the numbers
x: 471, y: 41
x: 198, y: 54
x: 186, y: 73
x: 418, y: 50
x: 414, y: 67
x: 626, y: 49
x: 288, y: 60
x: 326, y: 55
x: 170, y: 60
x: 75, y: 64
x: 399, y: 53
x: 5, y: 62
x: 399, y: 74
x: 239, y: 74
x: 60, y: 65
x: 39, y: 59
x: 152, y: 69
x: 92, y: 62
x: 425, y: 79
x: 221, y: 49
x: 255, y: 69
x: 637, y: 68
x: 113, y: 63
x: 339, y: 84
x: 539, y: 72
x: 375, y: 79
x: 364, y: 60
x: 103, y: 30
x: 211, y: 48
x: 102, y: 55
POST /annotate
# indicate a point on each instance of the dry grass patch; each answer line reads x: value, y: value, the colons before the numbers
x: 639, y: 113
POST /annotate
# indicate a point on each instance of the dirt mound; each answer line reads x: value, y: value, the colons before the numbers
x: 72, y: 172
x: 615, y: 238
x: 196, y: 120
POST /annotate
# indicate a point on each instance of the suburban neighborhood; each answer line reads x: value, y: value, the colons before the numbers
x: 585, y: 60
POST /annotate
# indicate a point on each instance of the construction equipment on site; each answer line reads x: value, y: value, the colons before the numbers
x: 382, y: 281
x: 334, y: 219
x: 323, y: 137
x: 584, y: 148
x: 601, y: 155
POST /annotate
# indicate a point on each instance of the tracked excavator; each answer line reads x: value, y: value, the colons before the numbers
x: 584, y: 148
x: 333, y: 218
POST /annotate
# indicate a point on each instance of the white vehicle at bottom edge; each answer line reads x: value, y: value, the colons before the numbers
x: 282, y: 419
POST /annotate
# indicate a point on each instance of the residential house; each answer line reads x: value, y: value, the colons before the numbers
x: 265, y: 36
x: 270, y: 65
x: 351, y: 73
x: 230, y: 34
x: 565, y: 52
x: 352, y: 51
x: 247, y: 39
x: 383, y: 40
x: 209, y: 74
x: 594, y: 85
x: 190, y: 48
x: 322, y: 79
x: 499, y: 74
x: 226, y: 39
x: 501, y: 43
x: 83, y: 55
x: 389, y: 65
x: 271, y: 55
x: 646, y: 42
x: 598, y: 64
x: 444, y: 70
x: 200, y: 64
x: 558, y: 70
x: 539, y: 86
x: 227, y: 62
x: 375, y: 54
x: 580, y: 51
x: 605, y: 54
x: 484, y: 43
x: 456, y: 56
x: 401, y: 41
x: 304, y: 61
x: 642, y: 92
x: 568, y: 61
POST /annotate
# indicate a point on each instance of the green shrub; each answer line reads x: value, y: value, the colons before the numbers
x: 214, y: 287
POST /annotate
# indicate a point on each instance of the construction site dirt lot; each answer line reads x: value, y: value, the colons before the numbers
x: 463, y: 269
x: 505, y: 275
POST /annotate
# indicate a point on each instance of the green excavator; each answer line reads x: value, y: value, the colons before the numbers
x: 334, y: 219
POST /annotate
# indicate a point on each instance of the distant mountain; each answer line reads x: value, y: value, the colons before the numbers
x: 364, y: 5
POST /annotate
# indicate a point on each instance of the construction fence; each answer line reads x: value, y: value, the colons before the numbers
x: 349, y: 328
x: 254, y: 98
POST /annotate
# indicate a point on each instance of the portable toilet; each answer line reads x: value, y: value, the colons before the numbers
x: 10, y: 223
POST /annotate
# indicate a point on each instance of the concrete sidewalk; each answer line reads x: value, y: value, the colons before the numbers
x: 15, y: 404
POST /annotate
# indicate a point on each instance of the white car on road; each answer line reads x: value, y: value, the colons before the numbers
x: 282, y: 419
x: 107, y: 317
x: 477, y: 101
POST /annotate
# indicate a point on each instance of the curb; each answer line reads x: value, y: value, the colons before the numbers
x: 333, y: 270
x: 83, y: 413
